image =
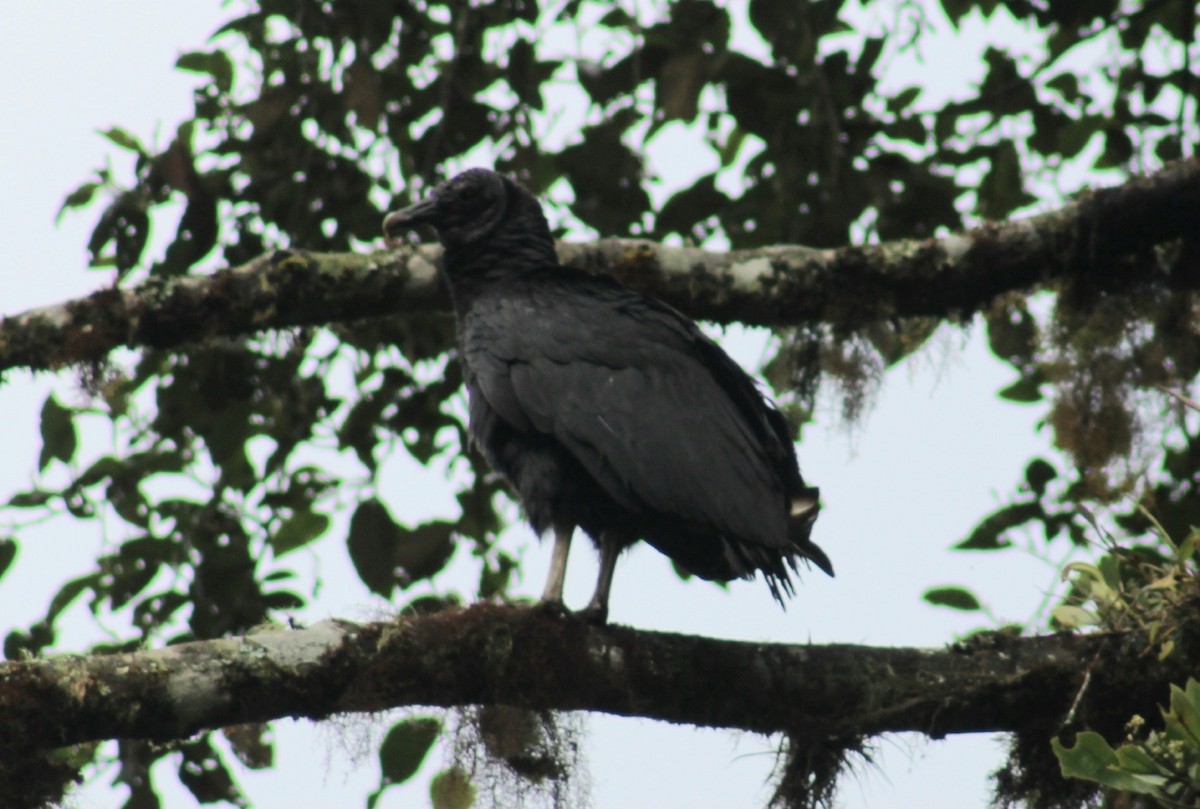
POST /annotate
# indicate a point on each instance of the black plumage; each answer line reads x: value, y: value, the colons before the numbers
x: 609, y: 410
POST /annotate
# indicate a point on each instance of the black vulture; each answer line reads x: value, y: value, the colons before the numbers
x: 609, y: 410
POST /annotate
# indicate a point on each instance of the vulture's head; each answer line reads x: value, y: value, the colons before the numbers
x: 470, y: 208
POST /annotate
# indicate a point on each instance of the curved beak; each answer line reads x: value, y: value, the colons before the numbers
x: 398, y: 222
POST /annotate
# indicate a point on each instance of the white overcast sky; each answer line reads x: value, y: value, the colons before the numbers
x: 937, y: 452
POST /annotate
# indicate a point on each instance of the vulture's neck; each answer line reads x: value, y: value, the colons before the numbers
x: 506, y: 253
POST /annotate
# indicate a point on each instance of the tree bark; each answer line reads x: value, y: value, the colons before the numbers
x: 528, y: 658
x: 1110, y: 237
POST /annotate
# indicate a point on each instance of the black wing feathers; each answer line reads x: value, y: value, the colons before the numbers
x: 606, y: 409
x: 657, y: 414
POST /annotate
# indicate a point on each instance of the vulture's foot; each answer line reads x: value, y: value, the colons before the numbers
x: 552, y: 608
x: 595, y: 614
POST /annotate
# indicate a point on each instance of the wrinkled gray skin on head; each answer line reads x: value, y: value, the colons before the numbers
x: 490, y: 226
x: 462, y: 210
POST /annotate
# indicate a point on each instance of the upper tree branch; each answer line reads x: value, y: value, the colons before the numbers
x: 526, y: 658
x: 1107, y: 237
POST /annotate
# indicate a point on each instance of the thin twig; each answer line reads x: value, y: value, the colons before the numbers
x: 1179, y: 397
x: 1083, y: 687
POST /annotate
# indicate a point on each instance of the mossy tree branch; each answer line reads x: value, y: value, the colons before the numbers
x: 1111, y: 237
x: 527, y: 658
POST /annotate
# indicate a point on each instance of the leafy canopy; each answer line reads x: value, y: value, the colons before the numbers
x: 314, y: 118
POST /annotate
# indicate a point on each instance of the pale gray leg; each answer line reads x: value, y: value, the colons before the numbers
x: 553, y: 593
x: 597, y: 609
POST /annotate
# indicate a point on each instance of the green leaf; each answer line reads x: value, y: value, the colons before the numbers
x: 494, y: 579
x: 691, y: 205
x: 1187, y: 712
x: 155, y: 609
x: 1002, y: 190
x: 1013, y: 335
x: 203, y: 771
x: 131, y: 569
x: 124, y: 139
x: 423, y: 551
x: 1090, y: 755
x: 1025, y: 390
x: 297, y: 531
x: 30, y: 499
x: 77, y: 199
x: 679, y: 83
x: 1068, y: 616
x: 872, y: 48
x: 1192, y: 689
x: 988, y: 535
x: 956, y: 9
x: 105, y: 467
x: 1066, y: 85
x: 282, y: 600
x: 1038, y: 473
x: 17, y: 644
x: 451, y: 789
x: 958, y: 598
x: 252, y: 745
x: 215, y: 64
x: 1168, y: 149
x: 1093, y: 760
x: 903, y: 99
x: 372, y: 544
x: 358, y: 430
x: 1136, y: 760
x: 728, y: 150
x: 1073, y: 137
x: 58, y: 434
x: 909, y: 127
x: 429, y: 604
x: 1110, y: 575
x: 618, y: 18
x: 8, y: 552
x: 1118, y: 149
x: 1187, y: 548
x: 67, y: 594
x: 405, y: 748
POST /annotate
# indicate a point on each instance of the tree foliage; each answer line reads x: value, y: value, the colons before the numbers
x: 312, y: 119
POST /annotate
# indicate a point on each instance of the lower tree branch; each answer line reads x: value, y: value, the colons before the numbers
x: 524, y: 657
x: 1107, y: 237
